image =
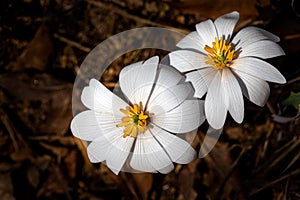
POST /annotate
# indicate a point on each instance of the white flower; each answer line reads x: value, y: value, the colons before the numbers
x: 227, y: 67
x: 141, y: 130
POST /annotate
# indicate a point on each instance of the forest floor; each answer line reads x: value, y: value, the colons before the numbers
x: 43, y: 44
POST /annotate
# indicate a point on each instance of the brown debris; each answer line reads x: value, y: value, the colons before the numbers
x: 37, y: 53
x: 43, y: 44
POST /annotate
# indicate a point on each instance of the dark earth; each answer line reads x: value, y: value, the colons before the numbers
x: 43, y: 43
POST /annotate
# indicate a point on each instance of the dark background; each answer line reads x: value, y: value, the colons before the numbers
x: 43, y: 43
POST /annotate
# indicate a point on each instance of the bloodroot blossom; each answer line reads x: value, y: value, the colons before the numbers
x: 226, y: 66
x: 142, y: 130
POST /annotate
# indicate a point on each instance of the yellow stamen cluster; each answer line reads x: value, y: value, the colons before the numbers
x: 221, y: 54
x: 135, y: 121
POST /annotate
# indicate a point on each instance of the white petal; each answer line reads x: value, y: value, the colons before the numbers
x: 207, y: 32
x: 186, y: 117
x: 89, y: 125
x: 138, y: 160
x: 178, y: 149
x: 136, y: 81
x: 99, y: 148
x: 118, y: 153
x: 152, y: 154
x: 98, y: 98
x: 234, y: 95
x: 210, y: 140
x: 185, y: 60
x: 111, y: 147
x: 216, y: 103
x: 191, y: 41
x: 259, y: 69
x: 225, y: 24
x: 167, y: 169
x: 261, y: 49
x: 201, y: 79
x: 152, y: 61
x: 256, y: 89
x: 169, y: 98
x: 250, y: 35
x: 167, y: 77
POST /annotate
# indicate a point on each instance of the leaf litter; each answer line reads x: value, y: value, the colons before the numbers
x: 43, y: 44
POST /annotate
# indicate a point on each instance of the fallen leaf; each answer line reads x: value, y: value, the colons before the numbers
x: 186, y: 182
x: 206, y: 8
x: 19, y: 156
x: 42, y: 101
x: 36, y: 54
x: 55, y: 183
x: 6, y: 187
x: 144, y: 183
x: 33, y: 176
x: 60, y: 152
x: 70, y: 161
x: 221, y: 180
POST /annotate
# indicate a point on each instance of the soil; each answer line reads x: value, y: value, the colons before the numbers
x: 43, y: 44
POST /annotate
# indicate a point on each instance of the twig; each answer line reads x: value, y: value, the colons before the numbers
x: 285, y: 153
x: 293, y: 80
x: 291, y: 37
x: 72, y: 43
x: 275, y: 181
x: 267, y: 140
x: 277, y: 155
x: 125, y: 14
x: 62, y: 139
x: 16, y: 137
x: 233, y: 167
x: 49, y: 138
x: 10, y: 130
x: 129, y: 185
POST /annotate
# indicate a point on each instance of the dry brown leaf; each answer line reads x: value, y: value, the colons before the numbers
x: 21, y: 155
x: 37, y: 52
x: 55, y: 184
x: 60, y: 152
x: 42, y: 102
x: 33, y: 176
x: 186, y: 181
x: 108, y: 176
x: 6, y: 187
x: 70, y: 161
x: 206, y: 8
x: 143, y: 182
x: 42, y: 162
x: 5, y: 166
x: 221, y: 179
x: 236, y: 133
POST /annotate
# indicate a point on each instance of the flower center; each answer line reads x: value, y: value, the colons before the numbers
x: 135, y: 121
x: 221, y: 54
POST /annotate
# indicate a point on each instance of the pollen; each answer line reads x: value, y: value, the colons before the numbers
x: 134, y: 121
x: 221, y: 54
